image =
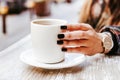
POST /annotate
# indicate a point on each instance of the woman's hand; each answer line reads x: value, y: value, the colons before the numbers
x: 80, y: 38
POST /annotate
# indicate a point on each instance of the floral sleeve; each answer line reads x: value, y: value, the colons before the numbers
x: 115, y: 32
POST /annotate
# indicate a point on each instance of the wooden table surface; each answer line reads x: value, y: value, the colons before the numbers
x: 98, y: 67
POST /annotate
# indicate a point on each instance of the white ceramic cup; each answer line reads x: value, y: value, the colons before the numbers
x: 44, y: 40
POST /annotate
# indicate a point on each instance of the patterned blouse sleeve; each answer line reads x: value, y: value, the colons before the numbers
x: 115, y: 32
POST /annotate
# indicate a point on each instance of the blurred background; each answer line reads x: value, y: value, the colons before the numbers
x: 15, y: 16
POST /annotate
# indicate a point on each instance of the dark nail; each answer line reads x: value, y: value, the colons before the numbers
x: 63, y: 27
x: 64, y: 49
x: 60, y: 42
x: 61, y: 36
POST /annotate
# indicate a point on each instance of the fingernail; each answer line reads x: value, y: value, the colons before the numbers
x: 60, y: 42
x: 63, y: 27
x: 61, y: 36
x: 64, y: 49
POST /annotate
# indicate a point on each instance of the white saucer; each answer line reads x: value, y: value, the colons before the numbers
x: 71, y: 59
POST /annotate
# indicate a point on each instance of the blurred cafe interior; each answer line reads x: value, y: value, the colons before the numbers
x: 15, y: 16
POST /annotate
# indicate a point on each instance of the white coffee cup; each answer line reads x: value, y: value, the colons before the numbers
x: 44, y: 40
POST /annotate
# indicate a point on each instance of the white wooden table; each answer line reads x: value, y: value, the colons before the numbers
x: 98, y: 67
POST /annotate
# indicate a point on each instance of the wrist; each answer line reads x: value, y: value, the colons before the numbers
x: 107, y: 42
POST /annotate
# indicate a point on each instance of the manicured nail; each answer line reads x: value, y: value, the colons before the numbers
x: 60, y: 42
x: 64, y: 49
x: 61, y: 36
x: 63, y: 27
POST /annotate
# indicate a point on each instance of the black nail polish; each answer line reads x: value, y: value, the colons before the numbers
x: 61, y: 36
x: 64, y: 49
x: 63, y: 27
x: 60, y: 42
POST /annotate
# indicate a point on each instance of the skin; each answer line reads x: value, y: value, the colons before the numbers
x: 83, y: 39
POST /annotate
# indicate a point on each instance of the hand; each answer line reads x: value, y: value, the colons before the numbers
x: 80, y: 38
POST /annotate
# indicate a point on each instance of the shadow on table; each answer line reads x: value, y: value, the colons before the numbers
x: 72, y: 70
x: 46, y: 74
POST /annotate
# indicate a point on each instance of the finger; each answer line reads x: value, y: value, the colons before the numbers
x: 72, y: 27
x: 74, y: 35
x: 63, y: 28
x: 76, y: 43
x: 82, y: 50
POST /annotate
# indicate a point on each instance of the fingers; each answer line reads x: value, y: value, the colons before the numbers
x: 74, y: 35
x: 72, y: 27
x: 76, y: 38
x: 75, y: 31
x: 76, y: 46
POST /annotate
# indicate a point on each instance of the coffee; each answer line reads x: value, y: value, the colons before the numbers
x: 42, y: 23
x: 47, y: 22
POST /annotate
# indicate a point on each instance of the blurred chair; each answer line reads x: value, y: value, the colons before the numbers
x: 43, y: 7
x: 15, y: 6
x: 10, y: 7
x: 68, y: 1
x: 3, y: 11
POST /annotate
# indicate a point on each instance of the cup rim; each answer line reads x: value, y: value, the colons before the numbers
x: 60, y: 20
